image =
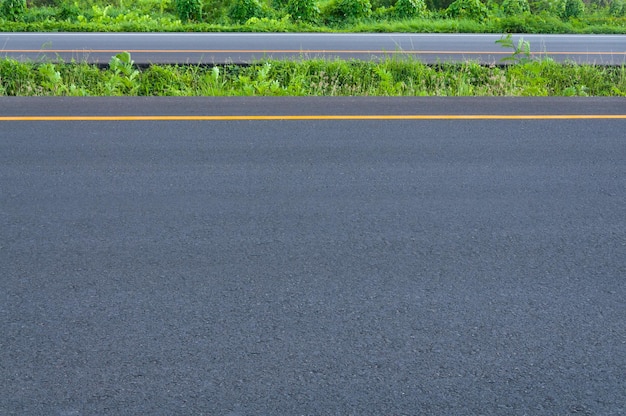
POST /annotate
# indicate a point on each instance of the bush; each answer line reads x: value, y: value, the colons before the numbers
x: 68, y: 10
x: 406, y: 9
x: 13, y: 9
x: 42, y: 3
x: 242, y: 10
x: 467, y: 9
x: 340, y: 10
x: 531, y: 23
x: 304, y: 10
x: 550, y: 7
x: 617, y: 8
x: 515, y: 7
x: 573, y: 8
x: 189, y: 10
x: 215, y: 10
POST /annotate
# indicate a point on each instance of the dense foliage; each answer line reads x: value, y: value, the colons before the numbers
x: 189, y: 10
x: 486, y: 16
x: 407, y: 9
x: 13, y: 9
x: 515, y: 7
x: 468, y: 9
x: 313, y: 78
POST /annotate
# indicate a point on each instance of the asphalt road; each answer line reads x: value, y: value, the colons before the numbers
x: 220, y: 48
x: 313, y: 267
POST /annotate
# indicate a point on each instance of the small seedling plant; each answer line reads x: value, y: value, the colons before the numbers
x: 521, y: 52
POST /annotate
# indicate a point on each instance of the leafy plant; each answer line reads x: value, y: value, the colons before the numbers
x: 242, y: 10
x: 124, y: 76
x: 467, y: 9
x: 617, y: 8
x: 265, y: 24
x: 341, y: 10
x: 304, y: 10
x: 573, y: 8
x: 68, y: 10
x: 547, y: 7
x: 51, y: 78
x: 13, y: 9
x: 189, y: 10
x: 260, y: 83
x: 407, y: 9
x: 16, y: 78
x: 521, y: 51
x: 515, y: 7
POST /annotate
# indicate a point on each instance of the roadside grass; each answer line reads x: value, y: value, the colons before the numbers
x: 393, y: 77
x: 522, y: 24
x: 325, y: 16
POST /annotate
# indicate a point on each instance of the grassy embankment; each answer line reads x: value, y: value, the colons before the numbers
x: 393, y: 77
x: 312, y: 78
x: 489, y: 16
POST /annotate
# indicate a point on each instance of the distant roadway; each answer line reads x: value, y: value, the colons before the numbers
x: 220, y: 48
x: 312, y: 256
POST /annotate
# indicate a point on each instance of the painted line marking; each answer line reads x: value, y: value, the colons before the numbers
x: 319, y: 117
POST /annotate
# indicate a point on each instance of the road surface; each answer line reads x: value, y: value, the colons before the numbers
x: 249, y: 264
x: 221, y: 48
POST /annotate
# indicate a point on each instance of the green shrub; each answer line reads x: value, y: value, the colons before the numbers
x: 242, y: 10
x: 467, y: 9
x: 617, y: 8
x: 515, y: 7
x: 304, y: 10
x: 573, y: 8
x: 189, y: 10
x: 17, y: 78
x: 342, y: 10
x: 531, y: 23
x: 549, y: 7
x: 438, y: 4
x: 13, y: 9
x: 162, y: 81
x: 68, y: 10
x: 407, y: 9
x: 42, y: 3
x: 376, y: 4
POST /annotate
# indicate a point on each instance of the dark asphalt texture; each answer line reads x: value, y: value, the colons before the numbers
x: 313, y: 267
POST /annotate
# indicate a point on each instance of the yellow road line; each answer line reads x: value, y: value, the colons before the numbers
x: 319, y: 117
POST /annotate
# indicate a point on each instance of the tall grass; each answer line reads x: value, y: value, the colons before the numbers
x: 313, y: 78
x: 287, y: 16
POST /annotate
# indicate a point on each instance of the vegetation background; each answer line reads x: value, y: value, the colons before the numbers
x: 488, y: 16
x: 522, y: 75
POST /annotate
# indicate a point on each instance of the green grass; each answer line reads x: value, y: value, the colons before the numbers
x: 312, y: 78
x: 525, y: 77
x: 161, y: 16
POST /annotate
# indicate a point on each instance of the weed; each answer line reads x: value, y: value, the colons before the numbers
x: 573, y: 8
x: 13, y: 9
x: 408, y: 9
x: 188, y: 10
x: 617, y: 8
x: 242, y: 10
x: 304, y: 10
x: 123, y: 76
x: 51, y: 78
x: 515, y: 7
x: 315, y: 77
x: 521, y: 51
x: 342, y: 11
x: 467, y: 9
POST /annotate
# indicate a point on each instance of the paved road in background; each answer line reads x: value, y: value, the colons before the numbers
x: 365, y: 267
x: 219, y: 48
